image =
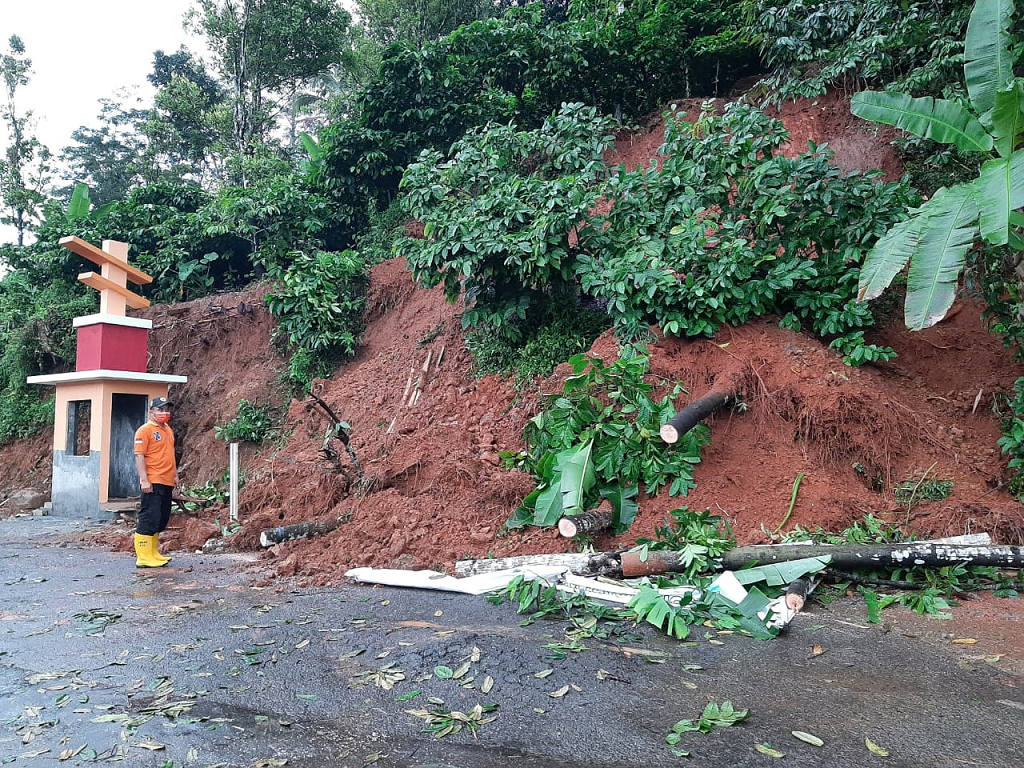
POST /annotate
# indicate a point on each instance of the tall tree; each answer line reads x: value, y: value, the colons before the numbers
x: 110, y: 157
x: 265, y: 49
x: 25, y: 166
x: 188, y: 127
x: 419, y: 21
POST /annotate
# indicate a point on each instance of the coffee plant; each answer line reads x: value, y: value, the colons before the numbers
x: 499, y: 213
x: 729, y: 229
x: 253, y: 424
x: 319, y: 304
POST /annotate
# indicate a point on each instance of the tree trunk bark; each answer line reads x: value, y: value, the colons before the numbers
x: 588, y: 522
x: 574, y: 561
x: 854, y: 557
x: 272, y: 536
x: 869, y: 556
x: 693, y: 414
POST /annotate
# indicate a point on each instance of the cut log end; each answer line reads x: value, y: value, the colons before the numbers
x: 669, y: 433
x: 567, y: 527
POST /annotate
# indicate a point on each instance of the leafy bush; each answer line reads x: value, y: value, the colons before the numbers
x: 386, y: 228
x: 729, y: 229
x: 319, y: 306
x: 914, y: 46
x: 36, y: 337
x: 1012, y: 441
x: 253, y: 424
x: 498, y: 216
x: 594, y: 440
x: 562, y: 332
x: 700, y: 536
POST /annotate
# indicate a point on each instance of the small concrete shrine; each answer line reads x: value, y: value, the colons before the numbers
x: 106, y: 398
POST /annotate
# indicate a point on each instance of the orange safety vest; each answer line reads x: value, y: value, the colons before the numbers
x: 156, y: 443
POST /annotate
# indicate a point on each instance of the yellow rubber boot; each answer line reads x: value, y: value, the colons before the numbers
x: 156, y: 550
x: 144, y: 553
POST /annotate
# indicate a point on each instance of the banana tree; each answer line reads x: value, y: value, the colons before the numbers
x: 938, y: 235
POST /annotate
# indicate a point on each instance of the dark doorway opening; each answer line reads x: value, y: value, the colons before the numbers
x: 79, y: 427
x: 127, y: 414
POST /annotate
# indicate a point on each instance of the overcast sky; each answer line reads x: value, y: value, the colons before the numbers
x: 84, y: 51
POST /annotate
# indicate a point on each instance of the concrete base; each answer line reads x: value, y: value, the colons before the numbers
x: 76, y: 486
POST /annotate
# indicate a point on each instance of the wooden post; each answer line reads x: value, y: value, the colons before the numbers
x: 233, y: 475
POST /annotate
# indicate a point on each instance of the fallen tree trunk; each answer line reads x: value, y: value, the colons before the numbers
x: 855, y: 557
x: 272, y: 536
x: 973, y: 550
x: 869, y: 556
x: 574, y: 561
x: 694, y: 414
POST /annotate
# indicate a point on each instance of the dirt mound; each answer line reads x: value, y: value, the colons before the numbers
x: 429, y: 488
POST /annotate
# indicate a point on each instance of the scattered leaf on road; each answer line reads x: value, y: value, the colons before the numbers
x: 487, y: 684
x: 875, y: 749
x: 543, y: 673
x: 560, y: 692
x: 809, y: 738
x: 964, y: 641
x: 764, y: 749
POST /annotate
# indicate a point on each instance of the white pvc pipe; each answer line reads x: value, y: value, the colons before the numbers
x: 233, y: 474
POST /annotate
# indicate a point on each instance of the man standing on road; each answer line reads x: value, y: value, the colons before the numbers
x: 158, y: 476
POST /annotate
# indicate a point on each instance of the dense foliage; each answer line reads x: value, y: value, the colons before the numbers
x: 498, y: 214
x: 319, y: 306
x: 729, y: 229
x: 725, y: 230
x: 811, y: 45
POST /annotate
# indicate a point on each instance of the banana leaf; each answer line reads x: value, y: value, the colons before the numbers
x: 889, y: 255
x: 1007, y: 118
x: 312, y: 148
x: 999, y: 190
x: 572, y: 477
x: 78, y: 208
x: 777, y: 574
x: 623, y: 504
x: 988, y: 63
x: 943, y: 121
x: 950, y: 230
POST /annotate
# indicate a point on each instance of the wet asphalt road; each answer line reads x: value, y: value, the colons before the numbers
x: 191, y: 666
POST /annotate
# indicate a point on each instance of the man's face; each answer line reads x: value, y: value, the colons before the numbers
x: 161, y: 415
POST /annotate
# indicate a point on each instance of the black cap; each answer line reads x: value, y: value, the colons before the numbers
x: 160, y: 402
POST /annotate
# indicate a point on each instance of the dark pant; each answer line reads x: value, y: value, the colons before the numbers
x: 155, y: 511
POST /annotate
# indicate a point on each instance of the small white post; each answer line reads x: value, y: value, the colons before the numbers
x: 233, y: 474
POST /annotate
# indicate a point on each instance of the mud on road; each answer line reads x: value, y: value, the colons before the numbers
x: 193, y: 666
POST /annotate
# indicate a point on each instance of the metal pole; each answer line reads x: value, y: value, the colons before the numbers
x: 233, y: 473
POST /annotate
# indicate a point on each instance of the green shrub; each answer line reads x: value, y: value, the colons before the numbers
x: 320, y: 309
x: 24, y: 412
x: 1012, y: 441
x: 253, y: 424
x: 563, y: 332
x: 729, y: 229
x: 594, y: 440
x: 498, y: 216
